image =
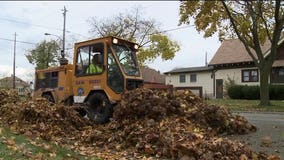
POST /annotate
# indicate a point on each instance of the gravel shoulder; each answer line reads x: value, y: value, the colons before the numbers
x: 269, y: 136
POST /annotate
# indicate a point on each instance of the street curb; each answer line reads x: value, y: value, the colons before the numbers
x: 259, y: 112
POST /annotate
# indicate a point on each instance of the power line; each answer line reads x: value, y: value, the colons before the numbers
x: 164, y: 31
x: 41, y: 26
x: 169, y: 30
x: 5, y: 39
x: 79, y: 34
x: 15, y: 21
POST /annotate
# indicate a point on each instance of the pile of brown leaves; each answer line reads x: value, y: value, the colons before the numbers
x: 42, y: 119
x: 8, y: 96
x: 172, y: 125
x: 157, y: 105
x: 218, y: 120
x: 157, y: 124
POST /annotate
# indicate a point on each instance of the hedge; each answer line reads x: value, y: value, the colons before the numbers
x: 234, y: 91
x: 276, y: 92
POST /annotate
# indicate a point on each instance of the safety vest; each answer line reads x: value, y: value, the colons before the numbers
x: 93, y: 69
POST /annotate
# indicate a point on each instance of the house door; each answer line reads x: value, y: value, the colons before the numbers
x: 219, y: 88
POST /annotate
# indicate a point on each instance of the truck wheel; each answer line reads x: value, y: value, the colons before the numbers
x: 48, y: 97
x: 69, y: 101
x: 99, y: 108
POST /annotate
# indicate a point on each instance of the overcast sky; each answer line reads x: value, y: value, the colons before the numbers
x: 30, y: 20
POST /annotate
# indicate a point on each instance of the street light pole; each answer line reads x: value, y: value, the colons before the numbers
x: 63, y: 60
x: 48, y: 34
x: 63, y: 39
x: 14, y: 63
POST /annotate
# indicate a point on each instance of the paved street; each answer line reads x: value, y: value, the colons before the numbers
x: 270, y: 134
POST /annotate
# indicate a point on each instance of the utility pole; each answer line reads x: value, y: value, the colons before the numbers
x: 14, y: 62
x: 63, y: 60
x: 206, y: 63
x: 64, y: 24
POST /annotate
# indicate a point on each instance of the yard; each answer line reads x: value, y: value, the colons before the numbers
x: 17, y: 146
x: 247, y: 105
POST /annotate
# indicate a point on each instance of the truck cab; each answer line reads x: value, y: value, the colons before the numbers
x: 119, y: 68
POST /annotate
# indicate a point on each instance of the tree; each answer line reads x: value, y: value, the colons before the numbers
x: 43, y: 54
x: 131, y: 26
x: 252, y: 22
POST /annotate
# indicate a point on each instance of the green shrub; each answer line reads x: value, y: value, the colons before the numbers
x: 276, y: 92
x: 244, y: 92
x: 234, y: 92
x: 250, y: 92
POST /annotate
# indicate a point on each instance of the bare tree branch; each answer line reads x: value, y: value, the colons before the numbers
x: 279, y: 22
x: 255, y: 29
x: 146, y: 43
x: 135, y: 25
x: 260, y: 14
x: 241, y: 38
x: 145, y: 34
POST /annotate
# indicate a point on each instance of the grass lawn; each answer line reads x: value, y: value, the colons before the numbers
x: 16, y: 146
x: 247, y: 105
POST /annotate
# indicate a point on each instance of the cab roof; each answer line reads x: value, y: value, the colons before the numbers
x: 107, y: 38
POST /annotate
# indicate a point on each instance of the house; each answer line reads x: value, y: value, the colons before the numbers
x: 231, y: 62
x: 21, y: 86
x: 153, y: 79
x: 197, y: 79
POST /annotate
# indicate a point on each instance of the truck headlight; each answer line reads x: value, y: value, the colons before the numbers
x: 136, y: 46
x: 115, y: 41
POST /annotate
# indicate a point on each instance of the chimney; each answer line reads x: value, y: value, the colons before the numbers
x: 206, y: 63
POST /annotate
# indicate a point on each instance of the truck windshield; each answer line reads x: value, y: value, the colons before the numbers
x: 127, y: 59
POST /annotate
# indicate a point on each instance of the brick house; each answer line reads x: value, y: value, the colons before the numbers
x: 153, y: 79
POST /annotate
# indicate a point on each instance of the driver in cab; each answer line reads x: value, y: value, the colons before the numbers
x: 95, y: 66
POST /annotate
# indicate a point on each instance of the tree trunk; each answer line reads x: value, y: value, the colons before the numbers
x: 264, y: 85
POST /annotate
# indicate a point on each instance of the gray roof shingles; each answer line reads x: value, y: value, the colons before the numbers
x: 190, y: 69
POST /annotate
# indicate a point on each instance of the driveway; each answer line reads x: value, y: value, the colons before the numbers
x: 269, y: 136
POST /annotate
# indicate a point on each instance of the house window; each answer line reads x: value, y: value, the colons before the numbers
x: 277, y: 75
x: 193, y: 78
x: 21, y: 90
x: 250, y: 75
x: 182, y: 78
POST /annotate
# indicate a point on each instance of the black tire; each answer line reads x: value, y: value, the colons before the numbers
x: 70, y: 101
x: 99, y: 109
x: 49, y: 97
